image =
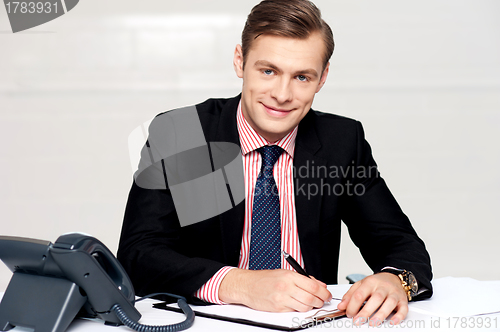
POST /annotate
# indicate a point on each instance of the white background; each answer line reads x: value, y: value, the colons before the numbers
x: 423, y: 78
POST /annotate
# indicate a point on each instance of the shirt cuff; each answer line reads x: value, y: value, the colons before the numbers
x: 209, y: 292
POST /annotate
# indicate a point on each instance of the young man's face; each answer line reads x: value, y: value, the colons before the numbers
x: 280, y: 78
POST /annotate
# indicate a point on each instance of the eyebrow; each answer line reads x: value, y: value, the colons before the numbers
x: 265, y: 63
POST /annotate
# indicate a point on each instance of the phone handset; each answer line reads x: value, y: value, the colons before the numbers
x: 56, y: 280
x: 88, y: 263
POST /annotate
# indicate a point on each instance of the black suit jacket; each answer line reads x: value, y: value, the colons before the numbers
x: 161, y: 256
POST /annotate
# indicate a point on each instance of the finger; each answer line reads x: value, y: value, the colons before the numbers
x: 351, y: 290
x: 400, y: 313
x: 323, y: 285
x: 390, y: 303
x: 314, y: 288
x: 375, y: 300
x: 307, y: 299
x: 296, y: 305
x: 356, y: 301
x: 347, y: 296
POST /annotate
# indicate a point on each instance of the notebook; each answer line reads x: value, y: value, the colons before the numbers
x: 288, y: 321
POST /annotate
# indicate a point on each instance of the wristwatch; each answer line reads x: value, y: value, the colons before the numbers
x: 408, y: 281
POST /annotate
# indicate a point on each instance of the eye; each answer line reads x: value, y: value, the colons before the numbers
x: 268, y: 72
x: 302, y: 78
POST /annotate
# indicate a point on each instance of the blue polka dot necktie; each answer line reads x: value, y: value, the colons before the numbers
x: 265, y: 240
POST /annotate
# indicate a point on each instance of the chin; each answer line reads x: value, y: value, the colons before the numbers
x: 274, y: 132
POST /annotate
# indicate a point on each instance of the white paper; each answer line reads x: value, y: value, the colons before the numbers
x: 289, y: 319
x: 460, y: 297
x: 453, y: 297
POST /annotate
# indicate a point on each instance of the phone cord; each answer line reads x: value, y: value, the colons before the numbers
x: 186, y: 309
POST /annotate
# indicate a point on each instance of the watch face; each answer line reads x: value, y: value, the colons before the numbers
x: 412, y: 283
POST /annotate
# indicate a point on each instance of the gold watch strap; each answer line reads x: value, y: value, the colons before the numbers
x: 405, y: 285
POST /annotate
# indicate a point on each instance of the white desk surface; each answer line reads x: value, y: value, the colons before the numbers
x: 415, y: 320
x: 151, y: 316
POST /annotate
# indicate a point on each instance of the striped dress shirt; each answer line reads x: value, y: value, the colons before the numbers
x: 283, y: 174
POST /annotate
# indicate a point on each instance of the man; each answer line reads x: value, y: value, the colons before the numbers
x: 283, y: 62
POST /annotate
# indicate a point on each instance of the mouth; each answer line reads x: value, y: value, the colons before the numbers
x: 274, y: 111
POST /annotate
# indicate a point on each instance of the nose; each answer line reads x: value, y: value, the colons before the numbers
x: 282, y: 90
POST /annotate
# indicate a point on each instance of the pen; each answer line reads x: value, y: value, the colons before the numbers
x: 294, y: 264
x: 300, y: 270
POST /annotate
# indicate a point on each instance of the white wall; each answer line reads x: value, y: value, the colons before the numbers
x: 424, y: 79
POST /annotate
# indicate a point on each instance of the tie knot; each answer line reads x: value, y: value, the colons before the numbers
x: 270, y: 155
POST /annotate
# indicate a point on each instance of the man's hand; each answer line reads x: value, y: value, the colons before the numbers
x: 382, y: 290
x: 273, y: 290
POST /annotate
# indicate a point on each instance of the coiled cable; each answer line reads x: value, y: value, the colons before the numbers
x: 186, y: 309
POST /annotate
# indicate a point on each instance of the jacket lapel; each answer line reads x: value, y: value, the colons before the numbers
x: 231, y: 221
x: 307, y: 189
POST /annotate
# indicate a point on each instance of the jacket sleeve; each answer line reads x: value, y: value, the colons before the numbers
x: 153, y: 248
x: 378, y: 226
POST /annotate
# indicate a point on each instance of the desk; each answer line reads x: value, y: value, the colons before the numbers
x: 416, y: 320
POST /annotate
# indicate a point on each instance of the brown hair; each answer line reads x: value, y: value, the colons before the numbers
x: 286, y: 18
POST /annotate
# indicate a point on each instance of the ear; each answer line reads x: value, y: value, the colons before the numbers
x: 238, y: 61
x: 324, y: 75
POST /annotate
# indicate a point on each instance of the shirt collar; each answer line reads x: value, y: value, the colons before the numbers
x: 251, y: 140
